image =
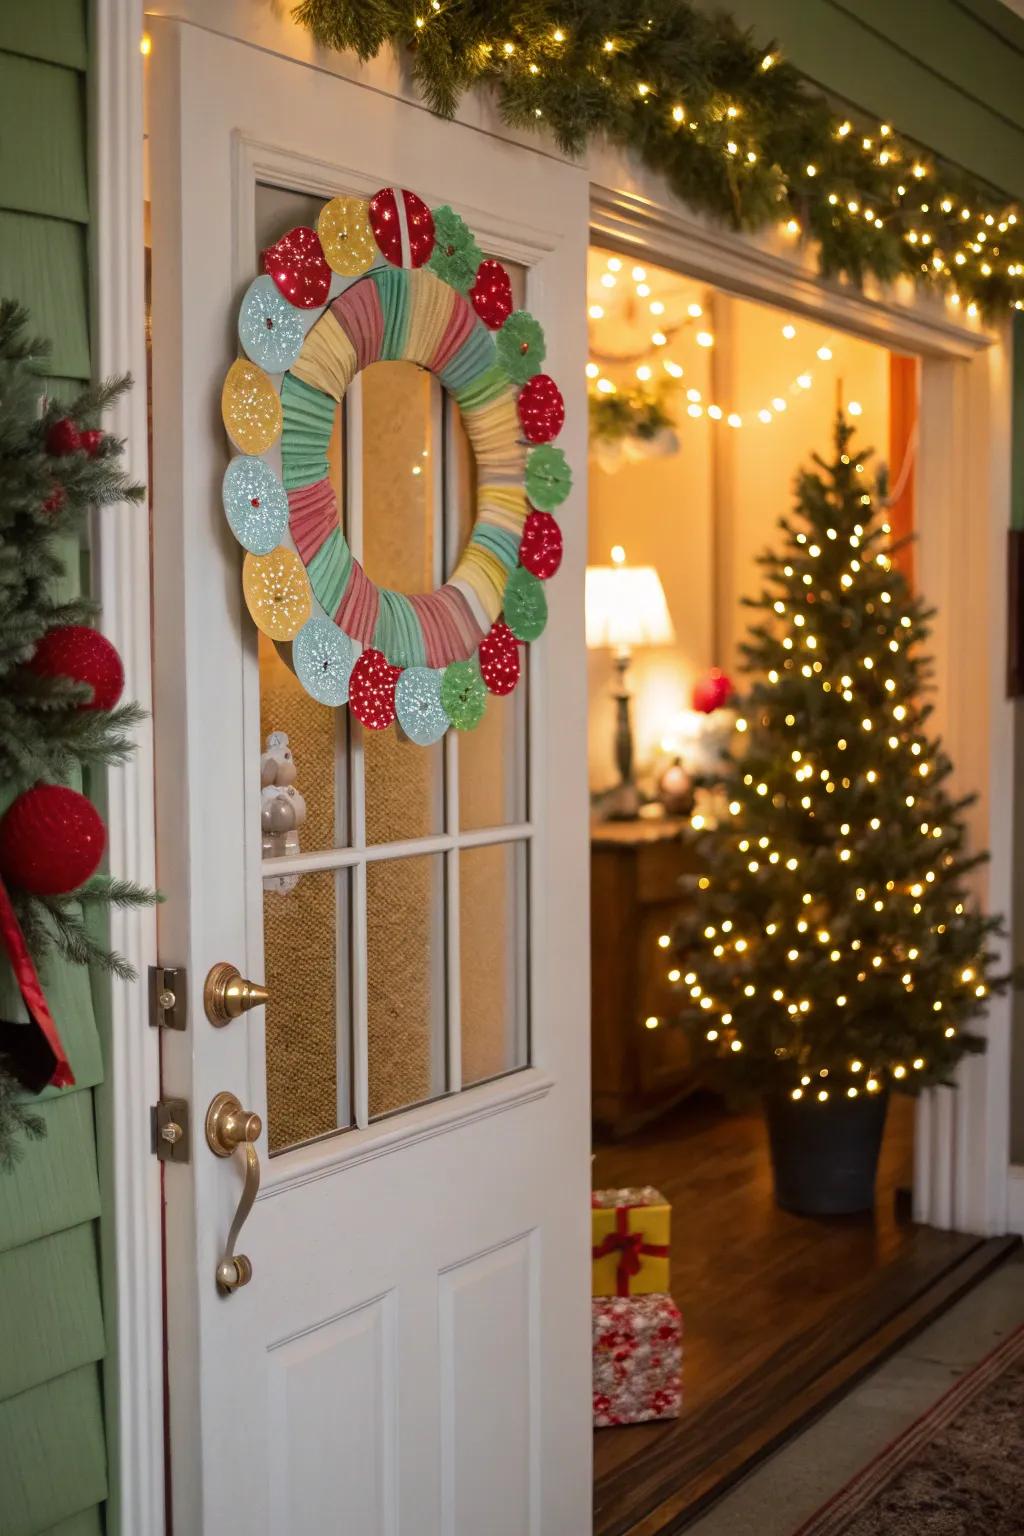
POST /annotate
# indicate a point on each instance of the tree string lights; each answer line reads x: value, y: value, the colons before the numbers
x: 831, y: 948
x: 733, y: 128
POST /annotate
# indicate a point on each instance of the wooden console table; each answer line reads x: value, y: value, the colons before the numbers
x: 635, y: 896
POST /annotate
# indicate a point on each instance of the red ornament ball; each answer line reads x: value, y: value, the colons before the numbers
x: 540, y: 549
x: 371, y: 690
x: 62, y: 438
x: 541, y: 409
x: 297, y: 265
x: 51, y: 840
x: 403, y: 226
x: 499, y: 659
x: 81, y: 653
x: 92, y: 441
x: 711, y: 692
x: 491, y: 294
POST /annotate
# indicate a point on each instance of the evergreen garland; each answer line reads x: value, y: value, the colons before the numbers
x: 832, y: 946
x: 48, y: 486
x: 733, y: 128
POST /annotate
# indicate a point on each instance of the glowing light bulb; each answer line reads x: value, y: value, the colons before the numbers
x: 855, y: 408
x: 596, y: 312
x: 592, y: 370
x: 804, y: 380
x: 789, y: 331
x: 825, y: 353
x: 694, y: 311
x: 704, y: 339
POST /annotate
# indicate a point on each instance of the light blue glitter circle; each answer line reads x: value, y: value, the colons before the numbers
x: 256, y: 504
x: 269, y: 328
x: 323, y: 658
x: 418, y: 705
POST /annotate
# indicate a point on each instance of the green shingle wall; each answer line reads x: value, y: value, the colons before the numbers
x: 945, y: 72
x: 53, y: 1459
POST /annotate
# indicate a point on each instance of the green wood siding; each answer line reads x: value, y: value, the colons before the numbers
x: 53, y: 1457
x: 945, y: 72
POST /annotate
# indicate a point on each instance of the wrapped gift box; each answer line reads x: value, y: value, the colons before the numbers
x: 630, y: 1237
x: 638, y: 1357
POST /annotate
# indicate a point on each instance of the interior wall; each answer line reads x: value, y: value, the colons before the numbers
x: 702, y: 515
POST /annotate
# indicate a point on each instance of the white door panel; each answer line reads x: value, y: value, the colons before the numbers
x: 411, y: 1354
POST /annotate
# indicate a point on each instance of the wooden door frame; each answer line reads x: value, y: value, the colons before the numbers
x: 962, y: 1170
x: 962, y: 1178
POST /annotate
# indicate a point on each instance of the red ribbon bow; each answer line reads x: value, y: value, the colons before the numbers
x: 38, y: 1052
x: 631, y: 1247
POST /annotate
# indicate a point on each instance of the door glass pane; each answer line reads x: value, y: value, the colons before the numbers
x: 401, y: 547
x: 306, y: 951
x: 493, y: 960
x: 303, y: 763
x: 406, y: 972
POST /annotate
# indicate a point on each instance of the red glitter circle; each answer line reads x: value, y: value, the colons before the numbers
x: 386, y: 223
x: 540, y: 550
x: 541, y: 409
x: 371, y: 690
x: 491, y: 294
x: 499, y: 659
x: 297, y: 265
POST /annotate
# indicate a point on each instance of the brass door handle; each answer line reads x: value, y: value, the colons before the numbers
x: 227, y: 994
x: 228, y: 1126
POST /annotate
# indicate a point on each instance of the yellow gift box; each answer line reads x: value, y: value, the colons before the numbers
x: 630, y: 1241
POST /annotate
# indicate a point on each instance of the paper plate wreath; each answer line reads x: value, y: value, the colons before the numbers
x: 381, y: 280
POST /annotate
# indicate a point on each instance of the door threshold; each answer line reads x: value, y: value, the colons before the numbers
x: 663, y: 1489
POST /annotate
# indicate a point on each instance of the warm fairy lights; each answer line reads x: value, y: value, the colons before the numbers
x: 634, y: 290
x: 836, y: 947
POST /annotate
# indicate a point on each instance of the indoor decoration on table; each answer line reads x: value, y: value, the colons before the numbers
x: 630, y: 1231
x: 834, y: 952
x: 392, y: 279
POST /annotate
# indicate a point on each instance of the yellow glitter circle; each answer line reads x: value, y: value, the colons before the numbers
x: 346, y: 236
x: 277, y: 593
x: 251, y: 408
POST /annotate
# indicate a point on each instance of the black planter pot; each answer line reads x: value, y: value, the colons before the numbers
x: 825, y: 1156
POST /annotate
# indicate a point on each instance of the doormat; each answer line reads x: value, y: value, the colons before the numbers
x: 955, y: 1472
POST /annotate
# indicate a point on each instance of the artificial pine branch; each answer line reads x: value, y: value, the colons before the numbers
x: 733, y: 128
x: 833, y: 946
x: 48, y: 731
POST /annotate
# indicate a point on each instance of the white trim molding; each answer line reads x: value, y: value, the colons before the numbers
x: 130, y: 1175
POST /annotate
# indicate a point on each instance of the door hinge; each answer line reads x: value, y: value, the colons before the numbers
x: 170, y: 1130
x: 167, y: 996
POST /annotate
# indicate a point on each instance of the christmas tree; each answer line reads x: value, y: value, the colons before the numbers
x: 833, y: 948
x: 60, y: 681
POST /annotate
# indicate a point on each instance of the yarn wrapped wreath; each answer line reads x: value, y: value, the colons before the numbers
x: 383, y: 280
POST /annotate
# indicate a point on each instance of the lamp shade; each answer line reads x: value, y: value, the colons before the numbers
x: 626, y: 607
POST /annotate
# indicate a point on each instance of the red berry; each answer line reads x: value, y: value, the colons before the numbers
x: 92, y: 441
x: 55, y: 500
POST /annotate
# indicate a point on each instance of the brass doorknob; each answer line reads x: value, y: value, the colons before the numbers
x: 227, y: 994
x: 228, y: 1126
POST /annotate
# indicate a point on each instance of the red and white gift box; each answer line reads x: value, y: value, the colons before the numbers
x: 638, y: 1359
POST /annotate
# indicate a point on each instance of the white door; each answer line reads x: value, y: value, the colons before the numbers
x: 411, y: 1353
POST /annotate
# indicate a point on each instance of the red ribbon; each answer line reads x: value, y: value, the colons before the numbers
x: 39, y: 1058
x: 630, y: 1246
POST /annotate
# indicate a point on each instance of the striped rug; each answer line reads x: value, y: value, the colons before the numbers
x: 957, y: 1471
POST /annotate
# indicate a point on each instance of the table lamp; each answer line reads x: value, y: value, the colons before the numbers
x: 625, y: 607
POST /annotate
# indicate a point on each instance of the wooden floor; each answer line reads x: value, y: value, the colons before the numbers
x: 780, y: 1313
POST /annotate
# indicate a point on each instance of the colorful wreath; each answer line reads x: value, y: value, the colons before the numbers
x: 390, y: 279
